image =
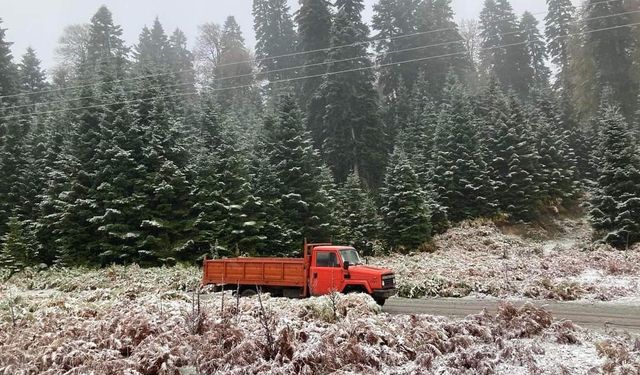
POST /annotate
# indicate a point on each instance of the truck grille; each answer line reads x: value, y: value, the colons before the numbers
x: 388, y: 281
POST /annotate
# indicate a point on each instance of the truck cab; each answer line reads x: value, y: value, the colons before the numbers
x: 340, y: 269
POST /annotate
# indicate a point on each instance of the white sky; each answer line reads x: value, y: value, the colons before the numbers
x: 39, y: 23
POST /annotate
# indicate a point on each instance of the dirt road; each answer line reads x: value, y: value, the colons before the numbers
x: 595, y: 315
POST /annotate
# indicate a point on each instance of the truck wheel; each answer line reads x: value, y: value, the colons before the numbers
x: 380, y: 301
x: 248, y: 293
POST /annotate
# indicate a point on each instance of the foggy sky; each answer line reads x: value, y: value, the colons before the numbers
x: 39, y: 23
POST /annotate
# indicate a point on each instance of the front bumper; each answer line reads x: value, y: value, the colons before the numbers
x: 383, y: 293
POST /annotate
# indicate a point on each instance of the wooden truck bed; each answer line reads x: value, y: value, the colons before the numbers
x: 285, y: 272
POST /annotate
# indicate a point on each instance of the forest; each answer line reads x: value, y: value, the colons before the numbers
x: 378, y: 135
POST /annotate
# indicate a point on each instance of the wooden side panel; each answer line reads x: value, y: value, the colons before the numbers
x: 255, y: 271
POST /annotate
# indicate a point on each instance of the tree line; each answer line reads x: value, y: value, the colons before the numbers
x: 156, y: 153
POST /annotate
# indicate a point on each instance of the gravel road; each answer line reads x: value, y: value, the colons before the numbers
x: 588, y: 315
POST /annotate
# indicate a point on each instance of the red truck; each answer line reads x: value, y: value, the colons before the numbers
x: 324, y: 268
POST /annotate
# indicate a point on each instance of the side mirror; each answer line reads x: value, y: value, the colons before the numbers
x: 346, y: 265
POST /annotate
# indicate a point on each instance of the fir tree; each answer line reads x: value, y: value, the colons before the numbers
x: 440, y: 33
x: 405, y: 212
x: 32, y: 77
x: 558, y: 25
x: 615, y: 204
x: 296, y: 169
x: 537, y: 51
x: 106, y: 51
x: 234, y: 69
x: 352, y: 134
x: 358, y: 222
x: 8, y: 84
x: 275, y: 37
x: 512, y: 159
x: 610, y: 51
x: 557, y: 158
x: 314, y: 26
x: 180, y: 63
x: 393, y: 18
x: 13, y: 168
x: 17, y: 251
x: 460, y: 174
x: 504, y: 52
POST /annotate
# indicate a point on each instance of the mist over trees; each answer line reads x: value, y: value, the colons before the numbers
x: 331, y: 129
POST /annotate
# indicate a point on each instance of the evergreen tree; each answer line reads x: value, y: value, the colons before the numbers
x: 460, y: 174
x: 615, y: 204
x: 180, y: 63
x: 32, y: 77
x: 314, y: 26
x: 512, y: 159
x: 106, y: 51
x: 391, y: 19
x: 352, y: 137
x: 234, y: 69
x: 558, y: 161
x: 537, y: 51
x: 504, y: 51
x: 275, y: 37
x: 610, y: 50
x: 558, y: 25
x: 13, y: 168
x: 405, y: 212
x: 358, y: 222
x: 296, y: 171
x: 442, y: 37
x: 151, y: 60
x: 17, y: 251
x: 8, y: 84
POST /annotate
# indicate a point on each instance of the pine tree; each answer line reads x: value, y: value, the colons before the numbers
x: 352, y: 137
x: 296, y: 169
x: 314, y: 26
x: 536, y: 50
x: 504, y: 52
x: 356, y: 214
x: 8, y: 84
x: 405, y: 212
x: 275, y: 37
x: 460, y: 174
x: 615, y: 204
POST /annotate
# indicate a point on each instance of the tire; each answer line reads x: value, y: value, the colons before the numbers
x: 380, y: 301
x: 248, y: 293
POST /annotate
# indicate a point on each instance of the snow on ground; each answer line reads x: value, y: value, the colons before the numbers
x: 127, y: 320
x: 477, y: 259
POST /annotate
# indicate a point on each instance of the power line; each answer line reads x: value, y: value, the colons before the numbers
x: 311, y: 76
x: 289, y: 68
x: 296, y: 54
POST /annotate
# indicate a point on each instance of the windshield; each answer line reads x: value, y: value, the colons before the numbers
x: 351, y: 256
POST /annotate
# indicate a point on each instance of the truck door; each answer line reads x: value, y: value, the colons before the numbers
x: 326, y: 273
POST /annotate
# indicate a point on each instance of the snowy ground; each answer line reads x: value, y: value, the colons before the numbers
x: 132, y: 321
x: 477, y: 260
